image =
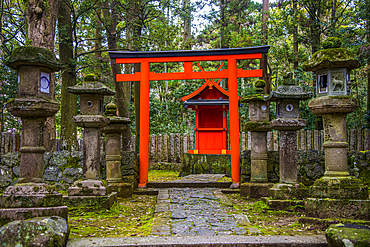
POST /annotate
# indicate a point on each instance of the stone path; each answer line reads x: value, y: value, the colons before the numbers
x: 197, y: 217
x: 197, y: 212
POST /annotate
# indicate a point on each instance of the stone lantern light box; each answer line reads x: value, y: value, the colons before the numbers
x: 332, y: 66
x: 332, y: 81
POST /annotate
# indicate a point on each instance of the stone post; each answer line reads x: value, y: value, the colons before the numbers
x: 30, y: 197
x: 336, y: 195
x: 91, y: 118
x: 288, y: 122
x: 258, y: 126
x: 113, y: 131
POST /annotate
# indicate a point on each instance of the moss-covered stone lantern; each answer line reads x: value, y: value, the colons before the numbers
x: 332, y: 66
x: 336, y: 195
x: 113, y: 131
x: 258, y: 125
x: 288, y: 121
x: 33, y: 104
x: 91, y: 118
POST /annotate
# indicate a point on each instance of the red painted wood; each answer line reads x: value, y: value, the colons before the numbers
x: 188, y: 59
x: 234, y: 120
x: 144, y: 125
x: 188, y: 75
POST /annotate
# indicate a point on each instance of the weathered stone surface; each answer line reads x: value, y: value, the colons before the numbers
x: 283, y: 191
x: 52, y: 173
x: 30, y: 195
x: 339, y: 188
x: 336, y: 208
x: 87, y: 188
x: 91, y: 201
x: 11, y: 214
x: 41, y: 231
x: 255, y: 190
x: 70, y: 175
x: 206, y: 164
x: 348, y: 235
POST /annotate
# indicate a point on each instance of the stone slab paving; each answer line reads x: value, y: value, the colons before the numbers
x: 197, y: 212
x: 204, y: 241
x: 199, y: 217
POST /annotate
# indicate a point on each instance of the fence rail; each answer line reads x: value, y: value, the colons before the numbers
x: 170, y: 147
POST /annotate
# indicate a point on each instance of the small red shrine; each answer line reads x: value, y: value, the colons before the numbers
x: 210, y: 103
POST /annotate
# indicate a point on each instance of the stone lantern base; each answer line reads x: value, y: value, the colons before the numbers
x: 284, y: 196
x: 90, y: 193
x: 123, y: 190
x: 29, y: 200
x: 255, y: 190
x: 338, y: 197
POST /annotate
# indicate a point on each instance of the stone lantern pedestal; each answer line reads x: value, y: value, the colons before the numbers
x: 113, y: 131
x: 258, y: 125
x: 91, y: 191
x: 336, y: 194
x: 30, y: 197
x: 288, y: 121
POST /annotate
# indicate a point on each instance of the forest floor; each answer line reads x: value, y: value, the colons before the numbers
x: 131, y: 217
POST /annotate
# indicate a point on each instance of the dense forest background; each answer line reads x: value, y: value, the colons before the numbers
x: 82, y: 32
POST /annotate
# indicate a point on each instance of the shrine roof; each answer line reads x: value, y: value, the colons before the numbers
x: 206, y: 102
x: 209, y: 84
x: 189, y: 53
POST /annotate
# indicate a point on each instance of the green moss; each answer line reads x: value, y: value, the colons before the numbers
x: 254, y: 97
x: 31, y: 55
x: 333, y: 57
x: 341, y: 97
x: 331, y: 42
x: 35, y: 188
x: 259, y: 83
x: 91, y: 78
x: 253, y: 126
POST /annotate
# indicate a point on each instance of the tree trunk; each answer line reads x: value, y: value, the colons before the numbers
x: 41, y: 19
x: 68, y: 106
x: 368, y: 67
x: 187, y: 25
x: 295, y: 37
x: 263, y: 63
x: 122, y: 101
x: 223, y: 27
x: 98, y: 39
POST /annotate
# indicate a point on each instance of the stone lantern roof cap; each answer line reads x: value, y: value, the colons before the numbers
x: 34, y: 56
x: 332, y: 56
x: 289, y: 90
x: 91, y: 85
x: 111, y: 113
x: 259, y: 95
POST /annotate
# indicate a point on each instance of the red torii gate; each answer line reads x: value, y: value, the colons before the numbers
x: 144, y: 58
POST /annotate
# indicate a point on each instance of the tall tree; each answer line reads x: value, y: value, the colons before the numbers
x: 41, y: 19
x: 68, y: 106
x: 123, y: 91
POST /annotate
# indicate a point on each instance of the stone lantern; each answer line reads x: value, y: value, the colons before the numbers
x: 336, y: 195
x: 91, y: 118
x: 113, y: 131
x: 33, y: 104
x: 288, y: 121
x: 258, y: 125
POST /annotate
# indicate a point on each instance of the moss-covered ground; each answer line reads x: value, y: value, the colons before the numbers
x: 162, y: 176
x: 129, y: 217
x: 271, y: 222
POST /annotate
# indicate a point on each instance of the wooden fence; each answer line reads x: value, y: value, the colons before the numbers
x: 170, y: 147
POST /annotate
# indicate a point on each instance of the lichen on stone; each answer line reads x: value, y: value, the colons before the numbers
x: 331, y: 58
x: 37, y: 56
